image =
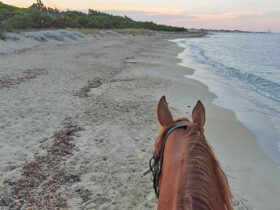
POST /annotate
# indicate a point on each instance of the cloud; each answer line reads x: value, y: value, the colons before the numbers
x: 225, y: 15
x: 182, y: 15
x: 245, y: 20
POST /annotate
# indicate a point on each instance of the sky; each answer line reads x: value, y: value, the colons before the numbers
x: 253, y: 15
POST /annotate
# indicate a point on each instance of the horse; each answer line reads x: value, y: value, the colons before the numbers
x: 186, y: 173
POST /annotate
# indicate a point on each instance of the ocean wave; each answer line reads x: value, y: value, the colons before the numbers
x: 259, y: 84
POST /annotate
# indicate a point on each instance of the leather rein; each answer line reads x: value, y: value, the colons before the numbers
x: 155, y: 163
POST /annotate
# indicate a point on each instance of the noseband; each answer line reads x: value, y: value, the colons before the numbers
x: 156, y: 161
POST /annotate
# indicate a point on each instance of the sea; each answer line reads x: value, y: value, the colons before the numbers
x: 243, y: 70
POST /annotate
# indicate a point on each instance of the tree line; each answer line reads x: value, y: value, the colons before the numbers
x: 39, y: 16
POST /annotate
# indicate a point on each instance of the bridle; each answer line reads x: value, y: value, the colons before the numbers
x: 155, y: 163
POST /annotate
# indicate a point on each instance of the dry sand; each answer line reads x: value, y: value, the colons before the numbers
x: 77, y: 124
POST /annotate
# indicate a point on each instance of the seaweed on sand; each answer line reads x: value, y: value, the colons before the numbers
x: 40, y: 180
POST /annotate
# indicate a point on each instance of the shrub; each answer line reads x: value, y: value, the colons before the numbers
x: 40, y: 16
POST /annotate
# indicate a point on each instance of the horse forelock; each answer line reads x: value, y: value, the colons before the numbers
x: 204, y: 177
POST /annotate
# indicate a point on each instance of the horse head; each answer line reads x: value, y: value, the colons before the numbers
x: 186, y: 173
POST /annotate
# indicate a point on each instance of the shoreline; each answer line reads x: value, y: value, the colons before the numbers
x: 109, y: 87
x: 256, y: 118
x: 249, y: 166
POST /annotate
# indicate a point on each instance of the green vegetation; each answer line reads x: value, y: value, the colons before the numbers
x: 38, y: 16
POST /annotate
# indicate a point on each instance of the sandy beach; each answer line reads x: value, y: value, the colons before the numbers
x: 77, y: 123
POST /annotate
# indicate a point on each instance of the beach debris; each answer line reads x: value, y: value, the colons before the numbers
x: 40, y: 180
x: 97, y: 82
x: 9, y: 81
x: 91, y: 84
x: 2, y: 127
x: 84, y: 194
x: 121, y: 80
x: 90, y: 54
x: 12, y: 167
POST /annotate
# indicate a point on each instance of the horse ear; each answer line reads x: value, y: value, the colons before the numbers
x: 198, y: 114
x: 163, y: 114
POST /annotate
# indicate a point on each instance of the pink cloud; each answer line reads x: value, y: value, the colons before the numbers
x: 226, y: 15
x: 246, y: 20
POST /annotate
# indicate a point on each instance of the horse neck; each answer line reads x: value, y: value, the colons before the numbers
x: 173, y: 171
x: 179, y: 173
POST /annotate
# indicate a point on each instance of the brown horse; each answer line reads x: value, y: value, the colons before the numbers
x: 186, y: 173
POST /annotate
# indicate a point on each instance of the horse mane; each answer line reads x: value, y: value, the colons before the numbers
x: 204, y: 178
